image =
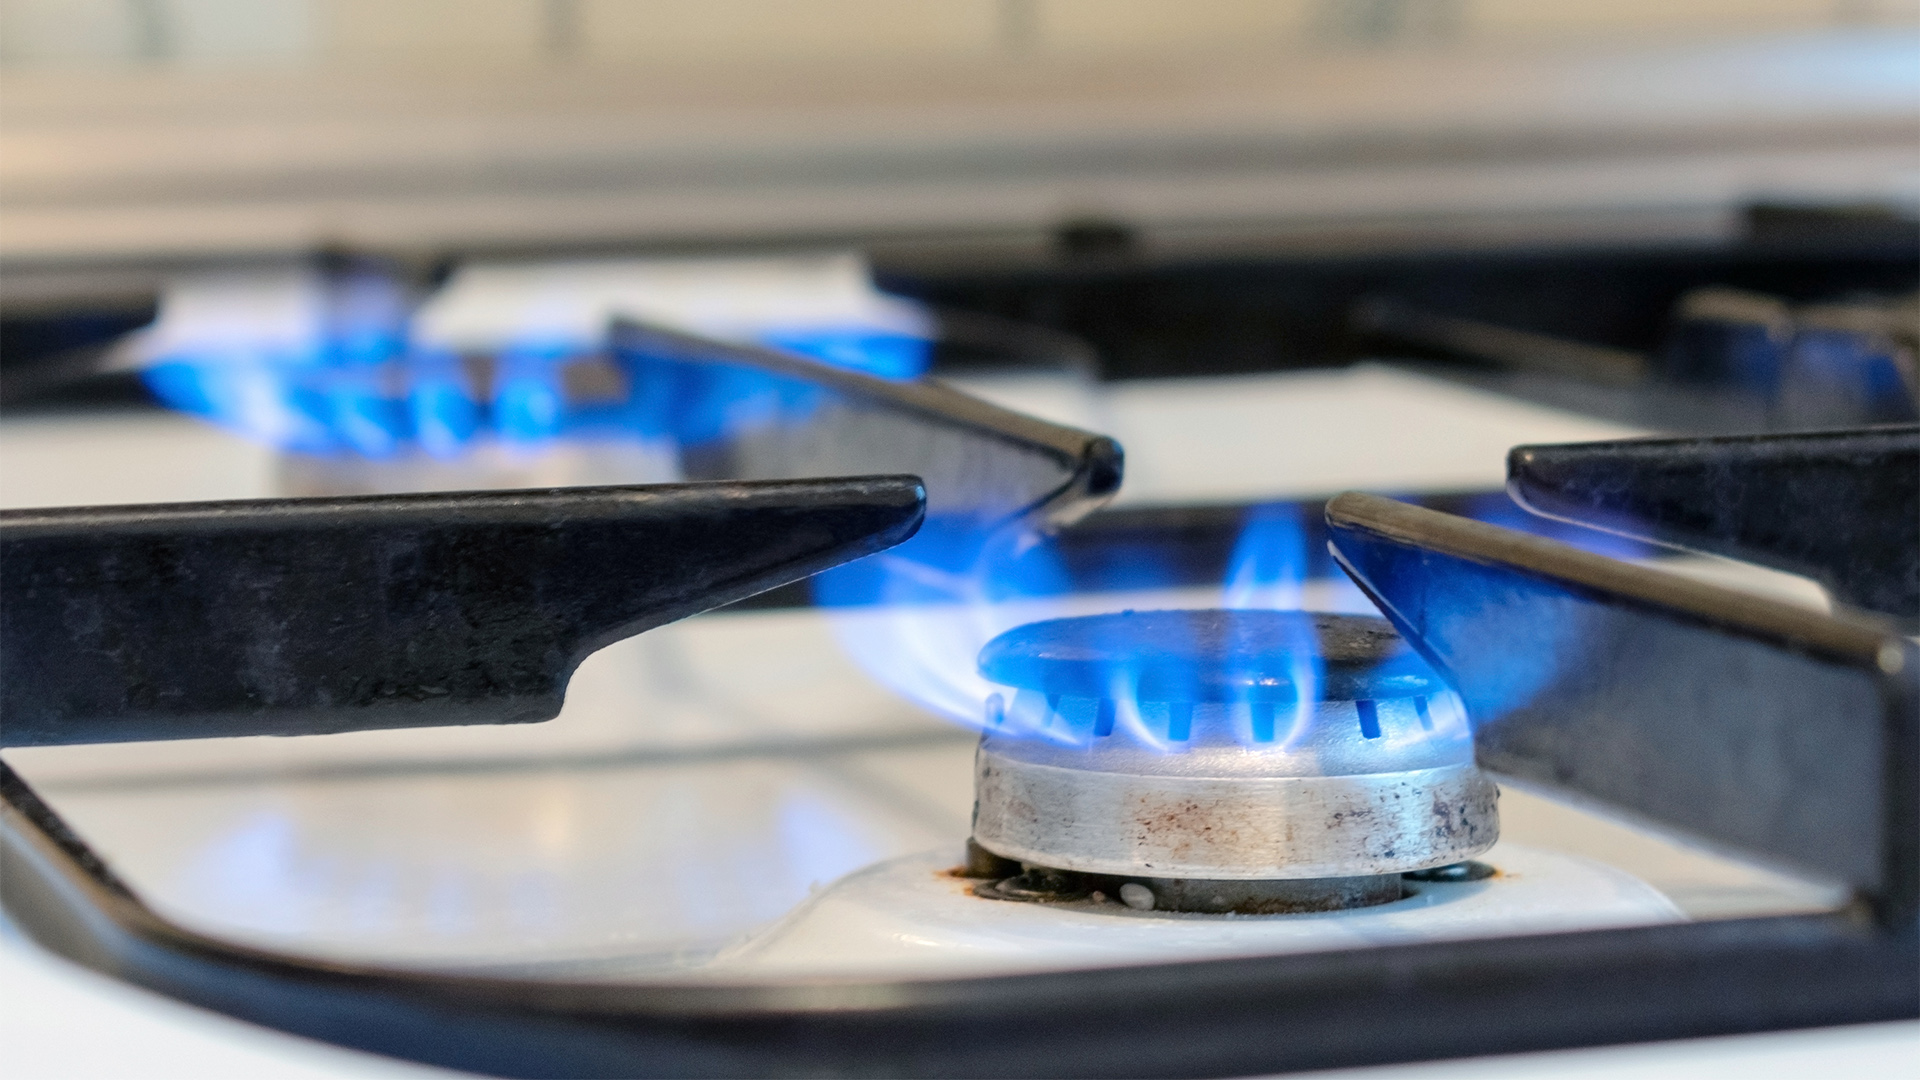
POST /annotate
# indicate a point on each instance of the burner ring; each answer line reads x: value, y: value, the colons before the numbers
x: 1371, y: 775
x: 1232, y: 827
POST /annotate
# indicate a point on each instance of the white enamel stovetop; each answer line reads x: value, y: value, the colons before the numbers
x: 707, y: 777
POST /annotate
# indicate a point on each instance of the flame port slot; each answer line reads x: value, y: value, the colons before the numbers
x: 1369, y: 718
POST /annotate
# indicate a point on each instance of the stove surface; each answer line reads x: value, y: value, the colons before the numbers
x: 706, y: 778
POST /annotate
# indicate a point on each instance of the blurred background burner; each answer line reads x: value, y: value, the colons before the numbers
x: 1221, y: 760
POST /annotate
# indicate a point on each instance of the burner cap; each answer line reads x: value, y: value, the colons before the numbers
x: 1374, y: 774
x: 1208, y: 656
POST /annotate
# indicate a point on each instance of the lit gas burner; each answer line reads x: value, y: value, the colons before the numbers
x: 1249, y: 761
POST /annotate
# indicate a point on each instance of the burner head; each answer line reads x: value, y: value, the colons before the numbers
x: 1208, y: 656
x: 1226, y: 746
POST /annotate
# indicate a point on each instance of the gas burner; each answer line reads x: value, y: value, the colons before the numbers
x: 1785, y: 735
x: 1245, y: 761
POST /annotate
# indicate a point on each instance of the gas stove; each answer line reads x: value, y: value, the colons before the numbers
x: 1016, y: 781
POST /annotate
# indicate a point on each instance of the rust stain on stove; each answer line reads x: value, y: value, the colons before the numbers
x: 1185, y: 828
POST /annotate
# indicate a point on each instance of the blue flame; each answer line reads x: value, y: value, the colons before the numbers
x: 1269, y: 559
x: 443, y: 406
x: 1269, y: 564
x: 1840, y: 377
x: 437, y: 404
x: 330, y: 363
x: 917, y: 617
x: 1444, y: 600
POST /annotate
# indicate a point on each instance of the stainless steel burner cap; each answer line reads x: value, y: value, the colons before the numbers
x: 1374, y: 776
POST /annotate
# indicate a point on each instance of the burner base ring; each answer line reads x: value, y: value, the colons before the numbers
x: 1272, y: 896
x: 1237, y: 828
